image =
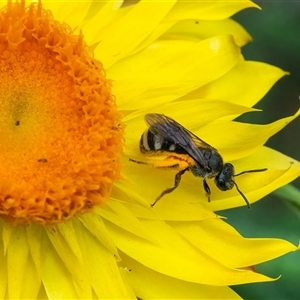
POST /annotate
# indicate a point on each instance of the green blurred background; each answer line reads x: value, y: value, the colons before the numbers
x: 276, y: 40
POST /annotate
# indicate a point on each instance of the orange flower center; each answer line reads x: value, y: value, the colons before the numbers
x: 60, y: 130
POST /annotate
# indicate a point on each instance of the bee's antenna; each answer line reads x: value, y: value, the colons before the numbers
x: 251, y: 171
x: 244, y: 197
x: 240, y: 192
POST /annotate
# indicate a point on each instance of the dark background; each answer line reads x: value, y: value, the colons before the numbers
x: 276, y: 40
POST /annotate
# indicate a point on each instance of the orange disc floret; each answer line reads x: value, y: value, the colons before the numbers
x: 60, y: 130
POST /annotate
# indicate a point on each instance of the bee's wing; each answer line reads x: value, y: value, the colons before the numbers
x: 173, y: 131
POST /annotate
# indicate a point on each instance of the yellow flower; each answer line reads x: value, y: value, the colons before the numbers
x: 59, y: 120
x: 62, y: 141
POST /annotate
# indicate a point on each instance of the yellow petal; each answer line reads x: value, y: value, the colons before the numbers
x: 96, y: 227
x: 175, y: 210
x: 122, y: 191
x: 176, y: 257
x: 128, y: 221
x: 57, y: 281
x: 3, y: 271
x: 129, y: 30
x: 233, y: 251
x: 17, y: 255
x: 101, y: 269
x: 34, y: 235
x: 100, y: 16
x: 68, y: 11
x: 7, y: 230
x: 180, y: 24
x: 97, y: 6
x: 200, y: 29
x: 31, y: 281
x: 208, y: 10
x: 70, y: 258
x: 165, y: 287
x: 167, y: 70
x: 252, y: 80
x: 235, y: 140
x: 69, y: 236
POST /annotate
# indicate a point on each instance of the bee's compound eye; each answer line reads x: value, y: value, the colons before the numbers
x: 221, y: 184
x: 224, y: 179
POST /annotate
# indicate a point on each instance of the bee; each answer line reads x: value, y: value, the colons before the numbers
x: 186, y: 152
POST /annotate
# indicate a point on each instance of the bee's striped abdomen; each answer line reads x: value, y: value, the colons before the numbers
x: 151, y: 142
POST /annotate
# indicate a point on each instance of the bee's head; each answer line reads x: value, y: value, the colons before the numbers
x: 224, y: 179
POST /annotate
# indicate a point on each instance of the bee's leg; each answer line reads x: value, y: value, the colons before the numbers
x: 164, y: 164
x: 169, y: 190
x: 207, y: 189
x: 139, y: 162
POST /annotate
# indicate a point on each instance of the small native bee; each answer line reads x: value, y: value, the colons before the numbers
x: 189, y: 153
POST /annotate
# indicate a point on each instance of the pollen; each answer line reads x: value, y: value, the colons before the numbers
x: 60, y: 130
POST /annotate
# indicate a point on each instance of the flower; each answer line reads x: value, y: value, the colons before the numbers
x: 183, y: 61
x: 60, y: 125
